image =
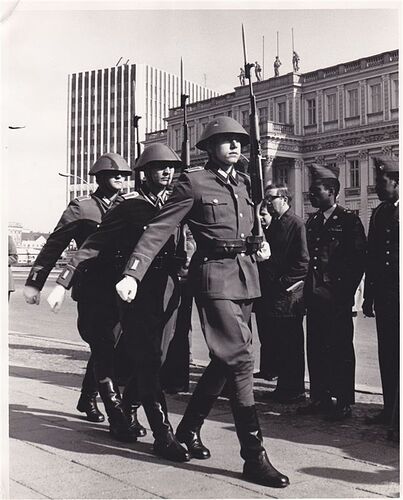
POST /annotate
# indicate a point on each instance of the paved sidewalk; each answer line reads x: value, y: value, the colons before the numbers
x: 54, y: 453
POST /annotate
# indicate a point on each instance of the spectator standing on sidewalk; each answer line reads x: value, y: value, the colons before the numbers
x: 381, y: 291
x: 279, y: 312
x: 12, y: 259
x: 337, y: 249
x: 80, y: 219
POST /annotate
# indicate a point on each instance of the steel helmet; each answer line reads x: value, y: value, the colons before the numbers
x: 222, y: 125
x: 110, y: 161
x: 157, y: 153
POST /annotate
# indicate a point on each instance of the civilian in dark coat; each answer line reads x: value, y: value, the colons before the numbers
x: 337, y: 248
x: 279, y: 312
x: 382, y: 283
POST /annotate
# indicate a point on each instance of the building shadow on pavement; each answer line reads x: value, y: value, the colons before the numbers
x: 58, y: 430
x: 76, y: 354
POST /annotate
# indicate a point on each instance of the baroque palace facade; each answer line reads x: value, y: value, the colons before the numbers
x: 344, y: 114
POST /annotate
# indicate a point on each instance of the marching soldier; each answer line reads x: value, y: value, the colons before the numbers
x: 142, y: 321
x: 216, y: 204
x: 12, y: 259
x: 381, y: 290
x: 80, y: 219
x: 337, y: 247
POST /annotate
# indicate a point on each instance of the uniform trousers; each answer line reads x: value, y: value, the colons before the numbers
x: 387, y: 326
x: 175, y: 370
x: 330, y: 352
x: 229, y: 340
x: 96, y: 322
x: 269, y: 362
x: 286, y: 336
x: 147, y: 332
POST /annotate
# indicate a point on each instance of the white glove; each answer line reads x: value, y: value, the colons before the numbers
x: 32, y: 295
x: 264, y: 252
x: 127, y: 288
x: 56, y: 298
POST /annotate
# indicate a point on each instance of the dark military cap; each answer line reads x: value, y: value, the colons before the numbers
x: 323, y: 171
x: 385, y: 164
x: 110, y: 161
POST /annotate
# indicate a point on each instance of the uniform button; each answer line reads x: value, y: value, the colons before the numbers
x: 315, y: 267
x: 242, y: 235
x: 145, y: 227
x: 215, y: 201
x: 236, y: 196
x: 317, y: 239
x: 98, y: 225
x: 241, y: 214
x: 316, y: 249
x: 315, y: 258
x: 387, y: 252
x: 242, y: 254
x: 387, y: 242
x: 205, y: 259
x: 387, y: 263
x: 388, y: 230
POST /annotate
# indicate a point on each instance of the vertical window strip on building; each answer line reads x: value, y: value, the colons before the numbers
x: 311, y: 111
x: 331, y: 107
x: 354, y: 167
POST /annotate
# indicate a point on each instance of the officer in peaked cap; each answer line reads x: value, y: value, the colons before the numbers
x: 80, y: 219
x: 381, y: 291
x: 337, y: 246
x: 143, y: 320
x: 215, y: 202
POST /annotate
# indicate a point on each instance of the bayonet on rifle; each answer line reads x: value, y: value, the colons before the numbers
x: 255, y: 158
x: 185, y: 154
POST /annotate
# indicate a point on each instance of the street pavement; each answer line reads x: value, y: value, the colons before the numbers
x: 55, y: 453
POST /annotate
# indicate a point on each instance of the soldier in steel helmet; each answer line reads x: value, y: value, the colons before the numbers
x: 80, y: 219
x: 215, y: 202
x: 142, y: 321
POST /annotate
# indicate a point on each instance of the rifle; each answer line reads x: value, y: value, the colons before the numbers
x: 185, y: 154
x: 137, y: 179
x: 181, y: 254
x: 255, y: 157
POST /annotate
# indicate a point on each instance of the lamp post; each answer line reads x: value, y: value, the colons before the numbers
x: 79, y: 178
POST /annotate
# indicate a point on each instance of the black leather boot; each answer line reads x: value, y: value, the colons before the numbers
x: 257, y: 467
x: 88, y: 404
x: 131, y: 404
x: 165, y: 445
x: 188, y: 430
x: 131, y: 414
x: 118, y: 423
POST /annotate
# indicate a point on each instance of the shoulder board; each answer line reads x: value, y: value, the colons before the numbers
x: 189, y: 170
x: 129, y: 196
x: 83, y: 198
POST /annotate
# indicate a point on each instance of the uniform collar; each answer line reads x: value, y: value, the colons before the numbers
x: 328, y: 213
x: 105, y: 199
x: 155, y: 199
x: 231, y: 176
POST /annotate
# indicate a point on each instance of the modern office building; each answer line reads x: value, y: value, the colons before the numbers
x: 343, y: 114
x: 101, y: 107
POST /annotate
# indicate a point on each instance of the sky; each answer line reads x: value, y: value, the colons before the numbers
x: 42, y: 42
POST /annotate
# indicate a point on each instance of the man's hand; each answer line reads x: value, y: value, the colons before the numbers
x: 264, y: 253
x: 127, y: 288
x: 56, y: 298
x: 368, y: 309
x: 32, y: 295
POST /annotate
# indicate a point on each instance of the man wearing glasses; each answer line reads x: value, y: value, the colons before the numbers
x: 279, y: 312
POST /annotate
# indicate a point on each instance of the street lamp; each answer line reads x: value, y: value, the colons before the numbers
x: 77, y: 177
